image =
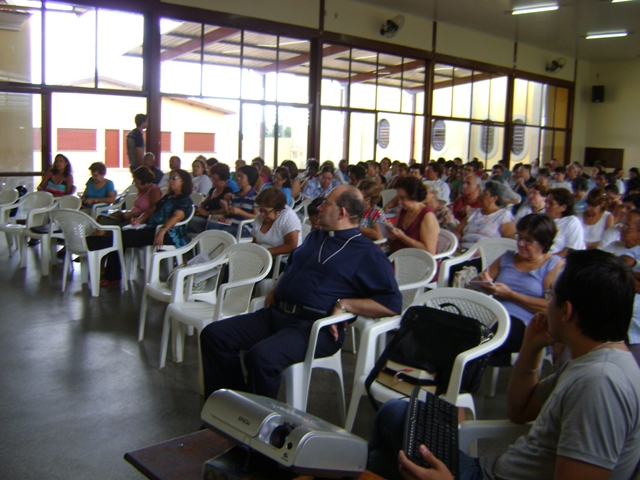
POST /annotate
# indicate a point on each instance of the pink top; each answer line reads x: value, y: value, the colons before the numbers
x: 142, y: 203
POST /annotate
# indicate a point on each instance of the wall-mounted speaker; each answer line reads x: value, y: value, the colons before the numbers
x: 597, y: 94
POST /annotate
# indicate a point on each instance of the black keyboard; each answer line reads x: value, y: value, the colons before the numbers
x: 434, y: 423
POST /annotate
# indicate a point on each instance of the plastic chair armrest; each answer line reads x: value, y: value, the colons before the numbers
x: 473, y: 430
x: 315, y: 330
x: 368, y: 343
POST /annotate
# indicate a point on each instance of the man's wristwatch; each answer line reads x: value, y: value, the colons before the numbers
x: 340, y: 306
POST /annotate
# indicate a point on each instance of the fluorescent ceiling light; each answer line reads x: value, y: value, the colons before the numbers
x: 535, y: 9
x: 620, y: 1
x: 595, y: 36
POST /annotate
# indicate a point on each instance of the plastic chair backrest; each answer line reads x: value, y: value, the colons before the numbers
x: 471, y: 304
x: 214, y: 242
x: 197, y: 198
x: 8, y: 197
x: 129, y: 200
x: 31, y: 201
x: 388, y: 195
x: 492, y: 248
x: 75, y: 227
x: 246, y: 260
x: 412, y: 266
x: 447, y: 244
x: 69, y: 201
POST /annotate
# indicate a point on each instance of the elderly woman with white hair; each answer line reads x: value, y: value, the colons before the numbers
x: 488, y: 221
x: 439, y: 206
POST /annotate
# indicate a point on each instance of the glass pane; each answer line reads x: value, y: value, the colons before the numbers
x: 498, y: 98
x: 293, y: 70
x: 180, y: 57
x: 462, y: 90
x: 562, y: 105
x: 361, y: 137
x: 333, y: 135
x: 520, y: 99
x: 335, y: 74
x: 363, y: 79
x: 20, y: 135
x: 101, y: 139
x: 221, y: 69
x: 120, y: 56
x: 22, y: 48
x: 481, y: 95
x: 559, y: 142
x: 31, y: 183
x: 442, y: 97
x: 546, y: 150
x: 400, y: 136
x: 535, y: 101
x: 456, y: 142
x: 258, y: 127
x: 412, y: 85
x: 419, y: 103
x: 549, y: 100
x: 70, y: 45
x: 293, y: 133
x: 390, y: 72
x: 259, y: 56
x: 532, y: 145
x: 214, y: 123
x: 486, y: 143
x: 418, y: 139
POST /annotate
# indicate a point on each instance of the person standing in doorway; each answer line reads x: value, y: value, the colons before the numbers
x: 135, y: 142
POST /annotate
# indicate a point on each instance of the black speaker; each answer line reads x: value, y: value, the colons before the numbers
x: 597, y: 94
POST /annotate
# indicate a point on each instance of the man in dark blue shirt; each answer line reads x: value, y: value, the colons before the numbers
x: 335, y: 270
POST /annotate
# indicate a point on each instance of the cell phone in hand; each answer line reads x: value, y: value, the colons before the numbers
x: 478, y: 284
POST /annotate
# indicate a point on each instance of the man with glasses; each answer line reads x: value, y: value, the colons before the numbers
x: 336, y: 270
x: 586, y: 415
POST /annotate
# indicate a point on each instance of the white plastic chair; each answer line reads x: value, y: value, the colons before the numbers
x: 76, y: 226
x: 488, y: 249
x: 388, y: 195
x: 447, y: 244
x: 413, y: 269
x: 247, y: 265
x: 197, y: 198
x: 214, y: 242
x: 472, y: 430
x: 50, y: 231
x: 7, y: 199
x: 148, y: 251
x: 241, y: 225
x: 297, y: 377
x: 471, y: 304
x: 124, y: 203
x: 31, y: 213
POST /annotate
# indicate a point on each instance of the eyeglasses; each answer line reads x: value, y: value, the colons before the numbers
x: 266, y: 211
x: 627, y: 228
x: 175, y: 177
x: 526, y: 240
x: 548, y: 293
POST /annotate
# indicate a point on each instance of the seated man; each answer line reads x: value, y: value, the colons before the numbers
x: 587, y: 415
x: 335, y: 270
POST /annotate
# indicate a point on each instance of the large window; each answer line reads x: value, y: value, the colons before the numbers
x: 375, y: 97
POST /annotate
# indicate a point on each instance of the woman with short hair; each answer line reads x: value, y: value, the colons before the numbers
x: 535, y: 201
x: 559, y: 206
x: 201, y: 180
x: 417, y: 225
x: 488, y: 221
x: 98, y: 188
x: 373, y: 215
x: 276, y: 227
x: 595, y: 219
x: 211, y: 205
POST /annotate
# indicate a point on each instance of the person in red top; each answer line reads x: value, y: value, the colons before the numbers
x: 417, y: 225
x: 470, y: 197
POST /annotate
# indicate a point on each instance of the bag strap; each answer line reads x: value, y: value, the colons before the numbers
x: 447, y: 304
x: 381, y: 362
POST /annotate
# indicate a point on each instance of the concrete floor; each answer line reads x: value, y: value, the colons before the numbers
x: 78, y: 390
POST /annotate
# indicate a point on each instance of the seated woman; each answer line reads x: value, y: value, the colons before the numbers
x: 282, y: 182
x: 98, y: 189
x: 519, y: 279
x: 439, y: 207
x: 559, y: 206
x: 595, y: 219
x: 293, y: 178
x: 58, y: 180
x: 417, y: 225
x: 373, y: 215
x: 211, y: 204
x: 535, y: 201
x: 242, y: 204
x: 148, y: 195
x: 201, y: 181
x: 277, y: 227
x: 171, y: 209
x: 488, y: 221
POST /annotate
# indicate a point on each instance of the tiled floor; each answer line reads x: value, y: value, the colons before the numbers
x: 78, y: 390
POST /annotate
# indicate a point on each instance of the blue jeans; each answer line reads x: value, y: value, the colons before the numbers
x: 386, y: 442
x: 231, y: 229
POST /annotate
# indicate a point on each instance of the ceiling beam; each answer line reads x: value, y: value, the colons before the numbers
x: 300, y: 59
x: 363, y: 77
x: 196, y: 43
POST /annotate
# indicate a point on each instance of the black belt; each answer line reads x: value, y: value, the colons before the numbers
x: 302, y: 310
